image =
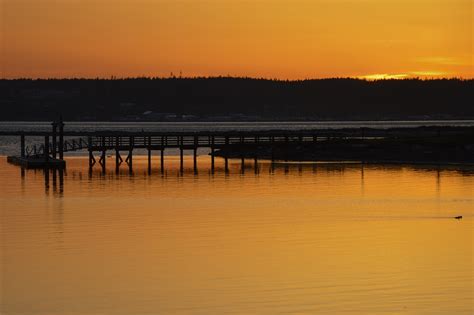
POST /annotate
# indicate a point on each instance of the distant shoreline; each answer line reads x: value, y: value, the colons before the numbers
x: 284, y: 120
x: 235, y: 99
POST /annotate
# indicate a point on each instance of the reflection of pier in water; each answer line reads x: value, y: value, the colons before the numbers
x: 54, y: 180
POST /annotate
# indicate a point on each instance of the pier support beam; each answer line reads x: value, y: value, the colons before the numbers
x: 22, y: 149
x: 103, y: 156
x: 102, y: 160
x: 91, y: 154
x: 149, y: 160
x: 118, y: 159
x: 149, y: 154
x: 181, y: 159
x: 61, y: 138
x: 195, y: 159
x: 212, y: 159
x: 162, y: 160
x: 54, y: 139
x: 46, y: 148
x: 92, y: 160
x: 129, y: 159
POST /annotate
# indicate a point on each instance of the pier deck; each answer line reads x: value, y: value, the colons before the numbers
x: 50, y: 153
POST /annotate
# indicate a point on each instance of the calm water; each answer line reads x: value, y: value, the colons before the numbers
x: 298, y: 239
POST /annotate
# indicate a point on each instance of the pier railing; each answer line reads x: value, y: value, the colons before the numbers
x: 99, y: 143
x: 69, y: 145
x: 57, y: 142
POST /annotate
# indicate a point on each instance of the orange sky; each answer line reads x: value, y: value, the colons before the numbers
x: 283, y: 39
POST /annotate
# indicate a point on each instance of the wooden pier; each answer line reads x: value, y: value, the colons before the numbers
x: 123, y: 144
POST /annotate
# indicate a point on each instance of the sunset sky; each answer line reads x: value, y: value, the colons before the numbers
x: 285, y: 39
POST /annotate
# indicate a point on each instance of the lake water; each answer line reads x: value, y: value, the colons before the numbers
x: 293, y: 238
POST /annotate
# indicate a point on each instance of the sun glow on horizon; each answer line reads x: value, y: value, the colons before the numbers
x: 411, y: 75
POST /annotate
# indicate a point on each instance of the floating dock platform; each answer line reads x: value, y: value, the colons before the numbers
x: 37, y: 162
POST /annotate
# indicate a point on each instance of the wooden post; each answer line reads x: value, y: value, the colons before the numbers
x: 195, y: 158
x: 61, y: 138
x: 91, y: 159
x: 55, y: 126
x: 242, y: 164
x: 212, y: 159
x: 149, y: 160
x: 91, y: 155
x: 117, y: 154
x: 181, y: 158
x: 118, y: 159
x: 149, y: 155
x: 130, y: 152
x: 104, y: 153
x: 212, y: 154
x: 22, y: 146
x: 103, y: 159
x: 130, y: 159
x: 162, y: 159
x: 226, y: 164
x: 46, y: 148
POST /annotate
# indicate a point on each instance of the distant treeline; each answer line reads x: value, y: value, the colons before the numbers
x: 235, y: 99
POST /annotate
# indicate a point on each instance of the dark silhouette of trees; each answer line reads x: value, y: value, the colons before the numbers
x: 241, y: 98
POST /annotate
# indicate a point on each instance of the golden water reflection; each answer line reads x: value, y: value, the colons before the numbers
x: 295, y: 238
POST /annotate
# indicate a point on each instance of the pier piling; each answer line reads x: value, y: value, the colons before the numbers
x: 162, y: 160
x: 149, y: 160
x: 61, y: 138
x: 46, y: 148
x: 195, y: 159
x: 22, y: 146
x: 54, y: 139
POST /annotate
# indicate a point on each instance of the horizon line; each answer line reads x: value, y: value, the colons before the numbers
x: 367, y: 78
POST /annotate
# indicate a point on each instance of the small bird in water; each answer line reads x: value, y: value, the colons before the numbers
x: 459, y: 217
